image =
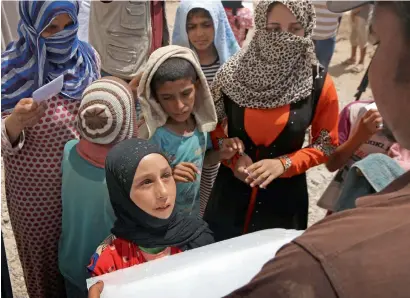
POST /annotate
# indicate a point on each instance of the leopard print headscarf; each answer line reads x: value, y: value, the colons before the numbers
x: 276, y: 68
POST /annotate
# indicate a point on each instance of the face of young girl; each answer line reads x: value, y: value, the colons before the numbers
x: 200, y: 31
x: 281, y: 19
x: 153, y: 189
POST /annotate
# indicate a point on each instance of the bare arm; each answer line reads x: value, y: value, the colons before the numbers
x: 368, y: 125
x: 342, y: 154
x: 13, y: 128
x: 212, y: 157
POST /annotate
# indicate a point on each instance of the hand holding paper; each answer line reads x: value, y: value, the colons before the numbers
x: 49, y: 90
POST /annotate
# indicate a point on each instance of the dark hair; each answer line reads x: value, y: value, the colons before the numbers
x: 200, y: 12
x: 173, y: 69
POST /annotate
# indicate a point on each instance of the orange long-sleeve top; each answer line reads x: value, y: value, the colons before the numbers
x: 264, y: 126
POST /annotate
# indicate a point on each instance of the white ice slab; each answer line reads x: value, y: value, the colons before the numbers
x: 211, y: 271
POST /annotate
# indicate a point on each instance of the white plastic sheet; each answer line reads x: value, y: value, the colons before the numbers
x: 211, y: 271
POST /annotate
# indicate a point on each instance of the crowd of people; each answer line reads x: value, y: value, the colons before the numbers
x: 152, y: 149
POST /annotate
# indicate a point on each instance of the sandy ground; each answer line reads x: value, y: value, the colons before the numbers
x: 318, y: 178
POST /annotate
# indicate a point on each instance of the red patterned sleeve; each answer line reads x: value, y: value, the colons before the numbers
x: 324, y: 135
x: 103, y: 260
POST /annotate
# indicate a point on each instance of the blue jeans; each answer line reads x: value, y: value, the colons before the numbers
x: 324, y: 50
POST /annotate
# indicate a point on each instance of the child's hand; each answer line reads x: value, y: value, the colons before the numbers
x: 229, y: 147
x: 240, y: 171
x: 369, y: 124
x: 96, y: 290
x: 185, y: 172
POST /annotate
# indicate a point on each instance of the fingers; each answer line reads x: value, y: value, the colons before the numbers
x: 179, y: 178
x: 96, y: 290
x: 26, y: 101
x: 26, y: 105
x: 253, y: 167
x: 189, y: 165
x: 259, y: 178
x: 33, y: 120
x: 371, y: 116
x: 233, y: 144
x: 267, y: 181
x: 184, y: 174
x: 237, y: 145
x: 241, y: 174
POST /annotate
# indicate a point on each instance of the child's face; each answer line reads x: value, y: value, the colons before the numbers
x: 177, y: 98
x: 201, y: 32
x: 153, y: 189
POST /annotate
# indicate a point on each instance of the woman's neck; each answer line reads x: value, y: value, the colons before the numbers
x: 207, y: 56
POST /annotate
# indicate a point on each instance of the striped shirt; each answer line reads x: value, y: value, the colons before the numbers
x: 208, y: 174
x: 326, y: 21
x: 210, y: 70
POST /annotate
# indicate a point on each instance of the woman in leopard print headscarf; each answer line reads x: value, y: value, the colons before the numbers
x: 269, y: 94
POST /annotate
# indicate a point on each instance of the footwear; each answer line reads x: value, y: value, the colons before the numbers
x: 358, y: 68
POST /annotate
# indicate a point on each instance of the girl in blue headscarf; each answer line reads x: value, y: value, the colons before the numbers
x: 34, y: 134
x: 204, y: 27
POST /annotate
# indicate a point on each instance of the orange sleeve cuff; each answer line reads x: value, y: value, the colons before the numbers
x: 324, y: 135
x: 216, y: 136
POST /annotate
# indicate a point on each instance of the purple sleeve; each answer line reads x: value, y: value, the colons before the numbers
x: 344, y: 125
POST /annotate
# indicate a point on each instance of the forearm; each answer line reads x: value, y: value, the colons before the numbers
x: 344, y: 152
x: 13, y: 129
x: 212, y: 157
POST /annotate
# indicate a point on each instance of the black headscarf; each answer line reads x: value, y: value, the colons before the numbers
x: 135, y: 225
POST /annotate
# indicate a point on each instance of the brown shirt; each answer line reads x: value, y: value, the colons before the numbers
x: 359, y: 253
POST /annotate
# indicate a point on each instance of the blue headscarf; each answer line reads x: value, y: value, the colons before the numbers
x: 32, y: 61
x: 224, y: 39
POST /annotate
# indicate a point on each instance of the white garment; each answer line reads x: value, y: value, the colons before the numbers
x: 83, y: 20
x: 9, y: 22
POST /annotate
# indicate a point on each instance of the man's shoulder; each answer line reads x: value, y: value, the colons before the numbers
x: 373, y: 219
x: 350, y: 245
x: 294, y: 272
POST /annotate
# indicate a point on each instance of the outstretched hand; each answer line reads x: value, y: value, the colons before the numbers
x: 263, y: 172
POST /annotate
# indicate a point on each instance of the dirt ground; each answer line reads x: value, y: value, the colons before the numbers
x: 318, y: 178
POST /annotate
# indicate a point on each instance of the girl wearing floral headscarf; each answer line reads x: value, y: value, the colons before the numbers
x: 270, y: 93
x: 34, y: 134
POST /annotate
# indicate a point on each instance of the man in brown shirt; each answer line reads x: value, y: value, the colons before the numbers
x: 364, y: 252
